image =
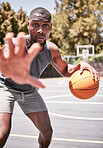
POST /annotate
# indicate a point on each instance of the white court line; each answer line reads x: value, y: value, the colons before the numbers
x: 58, y: 139
x: 68, y: 95
x: 63, y: 82
x: 58, y: 96
x: 71, y: 102
x: 74, y: 117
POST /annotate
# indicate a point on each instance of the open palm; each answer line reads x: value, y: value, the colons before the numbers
x: 15, y: 61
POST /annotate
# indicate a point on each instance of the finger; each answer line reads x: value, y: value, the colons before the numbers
x: 91, y: 70
x: 10, y: 48
x: 9, y: 35
x: 20, y: 44
x: 21, y: 34
x: 95, y: 75
x: 34, y: 82
x: 81, y: 69
x: 33, y: 51
x: 1, y: 53
x: 98, y: 77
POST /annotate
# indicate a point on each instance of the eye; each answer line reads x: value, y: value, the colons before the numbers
x: 35, y: 25
x: 46, y: 26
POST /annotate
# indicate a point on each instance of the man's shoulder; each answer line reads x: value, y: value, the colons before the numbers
x: 54, y: 50
x: 52, y: 46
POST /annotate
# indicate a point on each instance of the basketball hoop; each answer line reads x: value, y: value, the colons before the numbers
x: 85, y: 51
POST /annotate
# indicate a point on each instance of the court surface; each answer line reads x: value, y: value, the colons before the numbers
x: 76, y: 123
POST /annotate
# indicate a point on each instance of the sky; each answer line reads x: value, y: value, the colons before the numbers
x: 28, y: 5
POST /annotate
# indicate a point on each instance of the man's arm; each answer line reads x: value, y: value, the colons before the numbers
x: 17, y: 65
x: 67, y: 69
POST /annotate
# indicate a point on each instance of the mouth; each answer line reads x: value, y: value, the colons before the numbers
x: 40, y: 38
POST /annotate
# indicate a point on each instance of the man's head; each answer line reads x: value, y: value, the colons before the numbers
x: 39, y: 25
x: 40, y: 12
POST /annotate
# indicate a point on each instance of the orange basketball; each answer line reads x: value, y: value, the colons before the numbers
x: 82, y: 85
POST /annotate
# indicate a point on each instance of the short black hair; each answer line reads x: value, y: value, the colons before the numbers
x: 42, y: 11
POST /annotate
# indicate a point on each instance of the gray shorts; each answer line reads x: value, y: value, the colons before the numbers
x: 29, y: 101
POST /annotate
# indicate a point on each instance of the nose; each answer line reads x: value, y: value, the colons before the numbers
x: 40, y: 30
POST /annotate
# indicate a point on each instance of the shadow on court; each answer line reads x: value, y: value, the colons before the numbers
x: 76, y: 123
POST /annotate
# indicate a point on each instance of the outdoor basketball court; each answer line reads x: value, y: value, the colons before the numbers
x: 76, y: 123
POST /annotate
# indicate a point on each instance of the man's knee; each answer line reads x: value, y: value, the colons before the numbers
x: 45, y: 138
x: 48, y: 134
x: 4, y: 133
x: 5, y: 126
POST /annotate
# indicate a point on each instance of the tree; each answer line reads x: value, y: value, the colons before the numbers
x: 8, y: 22
x: 22, y: 20
x: 75, y: 23
x: 11, y: 22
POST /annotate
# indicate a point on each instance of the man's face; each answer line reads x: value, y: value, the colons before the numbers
x: 39, y: 30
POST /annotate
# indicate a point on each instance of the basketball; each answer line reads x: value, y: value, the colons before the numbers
x: 82, y: 85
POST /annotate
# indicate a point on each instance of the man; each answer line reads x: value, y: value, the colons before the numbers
x: 21, y: 67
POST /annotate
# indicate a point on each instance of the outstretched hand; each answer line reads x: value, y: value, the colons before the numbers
x: 15, y: 61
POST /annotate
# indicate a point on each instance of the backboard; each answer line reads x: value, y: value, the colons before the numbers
x: 85, y: 51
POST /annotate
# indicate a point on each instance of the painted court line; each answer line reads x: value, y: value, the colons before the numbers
x: 68, y: 95
x: 63, y: 82
x: 74, y: 117
x: 71, y: 102
x: 58, y: 139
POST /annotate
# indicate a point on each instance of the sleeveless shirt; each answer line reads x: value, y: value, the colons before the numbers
x: 38, y: 65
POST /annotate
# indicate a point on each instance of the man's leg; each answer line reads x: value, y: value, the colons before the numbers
x: 42, y: 122
x: 5, y: 126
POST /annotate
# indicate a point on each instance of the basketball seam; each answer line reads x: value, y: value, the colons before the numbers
x: 86, y: 89
x: 79, y: 80
x: 80, y: 74
x: 79, y: 95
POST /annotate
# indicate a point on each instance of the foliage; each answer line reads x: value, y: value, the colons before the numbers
x: 77, y: 22
x: 97, y: 57
x: 22, y: 21
x: 11, y: 22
